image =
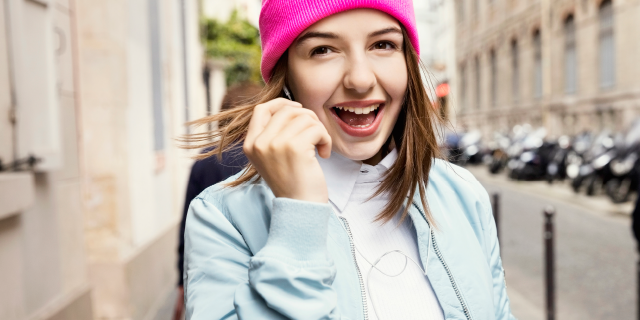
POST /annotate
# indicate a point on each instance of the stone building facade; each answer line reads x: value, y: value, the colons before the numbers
x: 567, y: 65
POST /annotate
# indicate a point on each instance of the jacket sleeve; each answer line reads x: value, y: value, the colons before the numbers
x: 500, y: 297
x: 289, y: 278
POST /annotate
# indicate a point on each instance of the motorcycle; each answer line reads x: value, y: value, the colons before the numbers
x: 471, y: 146
x: 594, y: 172
x: 625, y: 167
x: 536, y: 154
x: 498, y: 157
x: 563, y: 157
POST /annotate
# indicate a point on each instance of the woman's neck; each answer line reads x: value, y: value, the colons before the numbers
x: 383, y: 152
x: 375, y: 159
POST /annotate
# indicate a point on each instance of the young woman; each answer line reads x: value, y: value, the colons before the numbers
x: 345, y: 211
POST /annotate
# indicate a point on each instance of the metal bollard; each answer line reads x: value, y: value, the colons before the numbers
x: 549, y: 212
x: 496, y: 213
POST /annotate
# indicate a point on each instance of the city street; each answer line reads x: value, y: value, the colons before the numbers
x: 595, y: 250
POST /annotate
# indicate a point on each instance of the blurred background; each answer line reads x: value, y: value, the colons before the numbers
x: 541, y: 98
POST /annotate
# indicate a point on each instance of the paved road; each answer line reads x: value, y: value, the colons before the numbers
x: 595, y: 251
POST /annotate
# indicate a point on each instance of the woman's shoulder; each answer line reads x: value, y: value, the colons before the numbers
x: 463, y: 194
x: 448, y: 175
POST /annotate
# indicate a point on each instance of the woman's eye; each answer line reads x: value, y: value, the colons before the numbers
x: 321, y: 51
x: 384, y: 45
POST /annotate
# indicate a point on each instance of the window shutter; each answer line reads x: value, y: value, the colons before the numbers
x: 37, y: 108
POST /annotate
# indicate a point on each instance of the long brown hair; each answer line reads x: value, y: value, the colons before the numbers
x: 414, y: 135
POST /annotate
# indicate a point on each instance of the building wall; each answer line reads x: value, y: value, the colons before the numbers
x: 499, y: 22
x: 133, y: 107
x: 101, y: 89
x: 43, y: 261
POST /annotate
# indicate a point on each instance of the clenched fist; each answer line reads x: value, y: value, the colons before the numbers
x: 281, y: 144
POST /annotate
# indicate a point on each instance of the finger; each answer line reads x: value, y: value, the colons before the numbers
x: 294, y: 127
x: 283, y: 119
x: 320, y: 138
x: 314, y: 136
x: 261, y: 116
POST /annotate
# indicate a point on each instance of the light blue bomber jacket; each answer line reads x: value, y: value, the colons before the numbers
x: 249, y: 255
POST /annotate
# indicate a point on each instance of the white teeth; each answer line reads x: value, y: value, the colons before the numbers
x: 365, y: 110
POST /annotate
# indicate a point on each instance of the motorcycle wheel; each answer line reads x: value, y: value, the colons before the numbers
x: 576, y: 184
x: 618, y: 191
x: 594, y: 186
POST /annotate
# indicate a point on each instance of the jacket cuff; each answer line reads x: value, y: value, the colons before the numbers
x: 299, y: 229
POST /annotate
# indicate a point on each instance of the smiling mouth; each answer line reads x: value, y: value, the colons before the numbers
x: 357, y: 117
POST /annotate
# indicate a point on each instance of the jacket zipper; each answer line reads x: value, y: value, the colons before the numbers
x: 353, y: 253
x: 467, y: 313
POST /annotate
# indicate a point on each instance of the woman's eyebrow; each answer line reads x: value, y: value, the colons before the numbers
x: 385, y: 31
x: 316, y: 34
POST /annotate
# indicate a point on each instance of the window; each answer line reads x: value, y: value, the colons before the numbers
x: 478, y: 101
x: 515, y: 76
x: 607, y: 45
x: 156, y: 76
x: 463, y: 86
x: 494, y: 77
x: 460, y: 10
x: 537, y: 65
x: 476, y: 9
x: 570, y: 63
x: 38, y: 130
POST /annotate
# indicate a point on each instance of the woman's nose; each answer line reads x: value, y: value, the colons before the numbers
x: 359, y: 75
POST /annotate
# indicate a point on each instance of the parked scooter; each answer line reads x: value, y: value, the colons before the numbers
x: 561, y: 154
x: 625, y: 167
x: 471, y: 147
x: 575, y: 157
x: 498, y: 156
x: 536, y: 154
x: 594, y: 171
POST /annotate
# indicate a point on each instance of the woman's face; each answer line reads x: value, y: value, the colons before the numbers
x: 349, y: 68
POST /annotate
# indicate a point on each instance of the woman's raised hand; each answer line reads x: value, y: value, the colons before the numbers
x: 281, y: 144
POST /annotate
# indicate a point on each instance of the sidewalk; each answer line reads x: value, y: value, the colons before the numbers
x: 599, y: 204
x: 522, y: 308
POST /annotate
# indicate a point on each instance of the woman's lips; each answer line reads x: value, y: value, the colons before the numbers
x: 360, y: 129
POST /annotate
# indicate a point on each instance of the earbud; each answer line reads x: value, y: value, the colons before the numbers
x: 287, y: 93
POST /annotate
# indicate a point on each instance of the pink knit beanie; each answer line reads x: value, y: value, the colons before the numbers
x: 281, y: 21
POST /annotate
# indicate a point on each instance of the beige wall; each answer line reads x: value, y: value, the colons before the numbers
x: 91, y: 233
x: 41, y: 239
x: 591, y: 107
x: 133, y: 193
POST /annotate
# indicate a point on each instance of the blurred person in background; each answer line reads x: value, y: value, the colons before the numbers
x: 209, y: 171
x: 330, y: 218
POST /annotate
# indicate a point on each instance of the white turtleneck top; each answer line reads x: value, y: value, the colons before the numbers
x: 404, y: 292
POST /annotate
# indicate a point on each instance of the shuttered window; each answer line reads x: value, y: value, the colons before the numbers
x: 537, y: 65
x: 156, y: 75
x: 515, y: 75
x: 478, y: 102
x: 607, y: 45
x: 570, y: 61
x: 494, y: 78
x: 463, y: 86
